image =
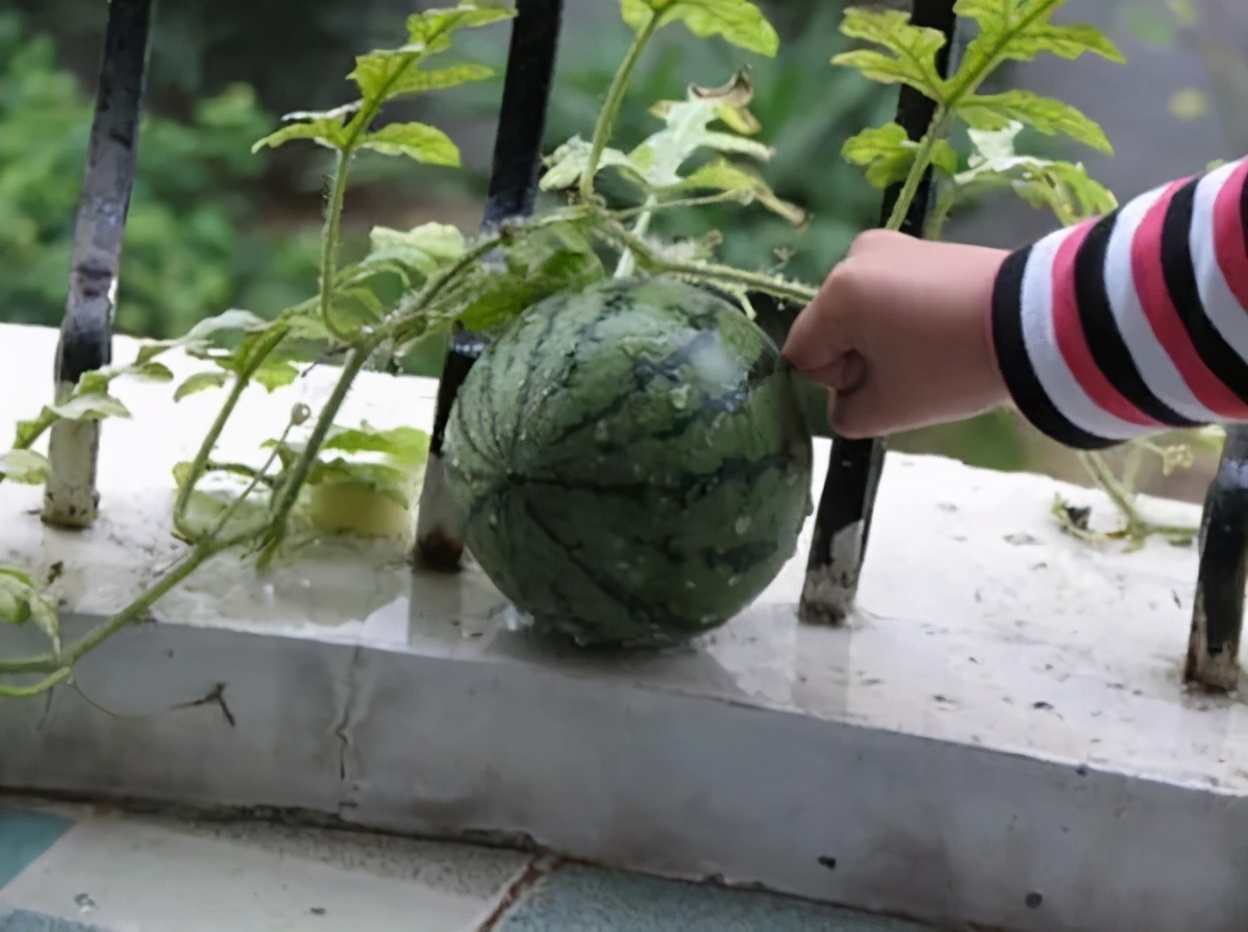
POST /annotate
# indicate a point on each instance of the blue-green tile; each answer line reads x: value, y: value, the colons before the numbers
x: 23, y: 921
x: 584, y: 899
x: 24, y: 836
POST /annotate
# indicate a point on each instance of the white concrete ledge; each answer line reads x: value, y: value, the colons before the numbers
x: 1000, y: 737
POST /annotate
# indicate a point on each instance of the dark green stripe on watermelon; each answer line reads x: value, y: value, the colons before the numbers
x: 630, y: 462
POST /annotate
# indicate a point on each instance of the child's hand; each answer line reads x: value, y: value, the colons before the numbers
x: 899, y: 331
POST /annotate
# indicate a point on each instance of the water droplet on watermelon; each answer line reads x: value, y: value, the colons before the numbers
x: 600, y: 432
x: 733, y: 580
x: 742, y: 525
x: 493, y: 519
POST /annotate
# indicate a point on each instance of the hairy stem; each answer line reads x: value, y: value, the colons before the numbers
x: 611, y: 108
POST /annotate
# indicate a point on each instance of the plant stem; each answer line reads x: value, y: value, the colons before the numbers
x: 922, y: 160
x: 132, y: 613
x: 288, y: 494
x: 329, y: 241
x: 611, y: 108
x: 754, y: 281
x: 266, y: 346
x: 627, y: 260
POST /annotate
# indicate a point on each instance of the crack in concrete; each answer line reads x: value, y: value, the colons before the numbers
x: 215, y: 697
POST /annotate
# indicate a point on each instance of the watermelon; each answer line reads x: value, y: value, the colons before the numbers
x: 630, y: 463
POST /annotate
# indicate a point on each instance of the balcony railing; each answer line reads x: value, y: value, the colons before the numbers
x: 843, y: 517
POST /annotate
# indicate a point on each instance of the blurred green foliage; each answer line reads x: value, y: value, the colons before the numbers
x: 193, y: 242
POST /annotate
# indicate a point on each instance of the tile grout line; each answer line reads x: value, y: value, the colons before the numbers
x: 536, y: 870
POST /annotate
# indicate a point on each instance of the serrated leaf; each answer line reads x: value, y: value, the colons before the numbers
x: 1022, y: 30
x: 1062, y: 187
x: 24, y: 466
x: 326, y: 128
x: 887, y: 153
x: 737, y: 21
x: 724, y: 176
x: 427, y: 248
x: 994, y: 112
x: 90, y: 406
x: 660, y: 157
x: 389, y: 75
x: 415, y: 140
x: 199, y: 382
x: 910, y: 51
x: 431, y: 30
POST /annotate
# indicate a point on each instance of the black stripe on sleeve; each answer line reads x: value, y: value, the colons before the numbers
x: 1227, y: 366
x: 1016, y: 366
x: 1109, y: 350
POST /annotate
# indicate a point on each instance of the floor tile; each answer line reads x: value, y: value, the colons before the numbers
x: 25, y: 921
x: 24, y: 836
x: 143, y: 874
x: 584, y: 899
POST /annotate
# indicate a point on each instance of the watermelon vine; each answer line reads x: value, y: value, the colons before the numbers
x: 705, y: 151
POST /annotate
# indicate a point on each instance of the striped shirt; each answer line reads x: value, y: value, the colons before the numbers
x: 1133, y: 323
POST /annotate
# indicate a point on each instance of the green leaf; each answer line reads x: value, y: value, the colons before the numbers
x: 405, y: 446
x: 24, y: 466
x: 388, y: 75
x: 391, y: 482
x: 415, y: 140
x: 910, y: 51
x: 199, y: 382
x: 431, y: 30
x: 90, y: 406
x: 151, y: 372
x: 428, y: 248
x: 887, y: 153
x: 22, y: 601
x: 1021, y: 30
x: 737, y: 21
x: 995, y: 112
x: 325, y: 128
x: 275, y: 374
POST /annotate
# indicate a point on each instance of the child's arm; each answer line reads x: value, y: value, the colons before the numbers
x: 1118, y: 327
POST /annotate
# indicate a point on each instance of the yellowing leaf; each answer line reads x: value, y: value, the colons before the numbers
x: 1049, y: 116
x: 737, y: 21
x: 325, y: 128
x: 724, y: 176
x: 427, y: 248
x: 566, y: 164
x: 24, y: 466
x: 910, y: 56
x: 415, y: 140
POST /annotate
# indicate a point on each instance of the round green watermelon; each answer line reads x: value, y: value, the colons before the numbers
x: 630, y: 462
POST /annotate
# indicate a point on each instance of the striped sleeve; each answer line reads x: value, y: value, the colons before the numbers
x: 1133, y: 323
